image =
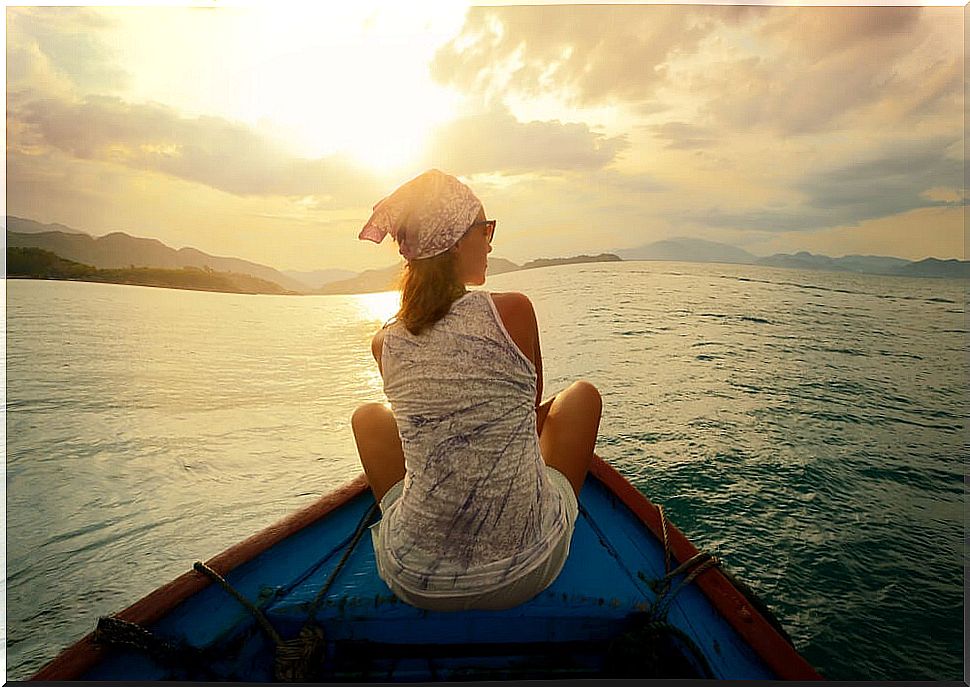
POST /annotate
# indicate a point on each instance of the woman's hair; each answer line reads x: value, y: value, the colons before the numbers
x: 428, y: 288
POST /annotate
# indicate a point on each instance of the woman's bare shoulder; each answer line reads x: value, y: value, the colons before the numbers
x: 519, y: 317
x: 377, y: 343
x: 513, y: 305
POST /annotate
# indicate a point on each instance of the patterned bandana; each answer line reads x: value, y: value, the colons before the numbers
x: 426, y: 216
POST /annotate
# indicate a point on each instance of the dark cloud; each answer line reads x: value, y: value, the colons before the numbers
x: 496, y: 142
x: 591, y: 54
x: 213, y: 151
x: 889, y: 183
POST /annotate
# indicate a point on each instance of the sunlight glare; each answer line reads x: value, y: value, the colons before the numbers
x: 378, y: 307
x: 364, y: 91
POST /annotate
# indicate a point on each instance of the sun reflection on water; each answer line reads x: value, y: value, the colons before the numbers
x: 378, y: 307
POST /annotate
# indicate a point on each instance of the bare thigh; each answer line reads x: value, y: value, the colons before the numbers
x: 379, y: 447
x: 567, y: 431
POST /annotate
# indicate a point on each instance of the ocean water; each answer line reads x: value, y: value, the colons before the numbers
x: 808, y: 427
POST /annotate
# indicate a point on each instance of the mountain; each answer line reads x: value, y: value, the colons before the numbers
x: 37, y: 263
x: 387, y: 278
x: 369, y: 281
x: 551, y: 262
x: 318, y: 278
x: 29, y: 226
x: 932, y: 267
x: 501, y: 266
x: 688, y: 250
x: 802, y: 261
x: 117, y: 250
x: 871, y: 264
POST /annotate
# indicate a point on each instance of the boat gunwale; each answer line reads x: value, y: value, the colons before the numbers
x: 769, y: 645
x: 85, y: 653
x: 760, y: 635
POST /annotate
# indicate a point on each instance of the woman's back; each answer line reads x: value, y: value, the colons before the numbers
x: 476, y: 505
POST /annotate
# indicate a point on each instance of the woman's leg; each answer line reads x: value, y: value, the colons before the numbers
x: 379, y: 447
x: 567, y: 431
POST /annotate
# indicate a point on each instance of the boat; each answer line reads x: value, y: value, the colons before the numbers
x: 301, y: 601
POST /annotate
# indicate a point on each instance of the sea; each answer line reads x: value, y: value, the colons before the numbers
x: 807, y: 427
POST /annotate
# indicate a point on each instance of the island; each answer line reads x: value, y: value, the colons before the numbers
x: 576, y: 260
x: 37, y: 263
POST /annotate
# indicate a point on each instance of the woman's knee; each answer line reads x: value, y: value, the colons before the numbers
x: 586, y: 394
x: 369, y: 415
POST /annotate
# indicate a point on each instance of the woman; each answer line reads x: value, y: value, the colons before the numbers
x: 477, y: 482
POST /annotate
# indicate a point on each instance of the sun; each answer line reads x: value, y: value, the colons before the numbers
x: 355, y: 85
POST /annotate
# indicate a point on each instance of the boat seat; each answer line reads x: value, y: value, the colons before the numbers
x: 595, y: 592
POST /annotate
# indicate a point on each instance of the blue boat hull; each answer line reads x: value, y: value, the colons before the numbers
x: 594, y: 620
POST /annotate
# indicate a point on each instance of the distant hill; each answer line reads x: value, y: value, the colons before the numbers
x: 932, y: 267
x: 387, y: 278
x: 368, y: 281
x: 552, y: 262
x: 37, y: 263
x: 697, y: 250
x: 868, y: 264
x: 29, y: 226
x: 688, y: 250
x: 871, y: 264
x: 118, y: 250
x: 317, y: 278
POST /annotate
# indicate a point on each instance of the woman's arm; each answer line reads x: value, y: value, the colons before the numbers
x: 376, y: 346
x: 519, y: 318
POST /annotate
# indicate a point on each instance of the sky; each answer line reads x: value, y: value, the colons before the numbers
x: 267, y: 131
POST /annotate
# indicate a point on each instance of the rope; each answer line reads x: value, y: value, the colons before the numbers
x: 116, y: 632
x: 297, y: 658
x: 696, y: 565
x: 358, y: 533
x: 201, y: 567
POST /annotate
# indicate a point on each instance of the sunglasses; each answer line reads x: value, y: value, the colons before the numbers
x: 489, y: 228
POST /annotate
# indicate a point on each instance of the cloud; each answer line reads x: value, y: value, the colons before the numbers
x: 684, y: 136
x: 906, y: 177
x: 589, y: 54
x: 212, y: 151
x: 60, y: 49
x: 813, y: 69
x: 790, y: 70
x: 496, y: 142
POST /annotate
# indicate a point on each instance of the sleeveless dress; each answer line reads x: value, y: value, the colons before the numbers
x: 477, y: 509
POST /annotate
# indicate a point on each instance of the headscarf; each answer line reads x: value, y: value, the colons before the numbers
x: 426, y: 216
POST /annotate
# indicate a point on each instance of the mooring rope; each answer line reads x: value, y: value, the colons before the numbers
x: 297, y: 658
x: 694, y: 566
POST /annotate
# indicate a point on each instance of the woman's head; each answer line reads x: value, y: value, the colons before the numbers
x: 426, y: 216
x: 471, y: 251
x: 441, y: 228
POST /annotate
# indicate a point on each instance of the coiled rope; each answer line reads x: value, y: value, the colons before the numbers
x: 694, y: 566
x: 297, y: 659
x: 645, y: 650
